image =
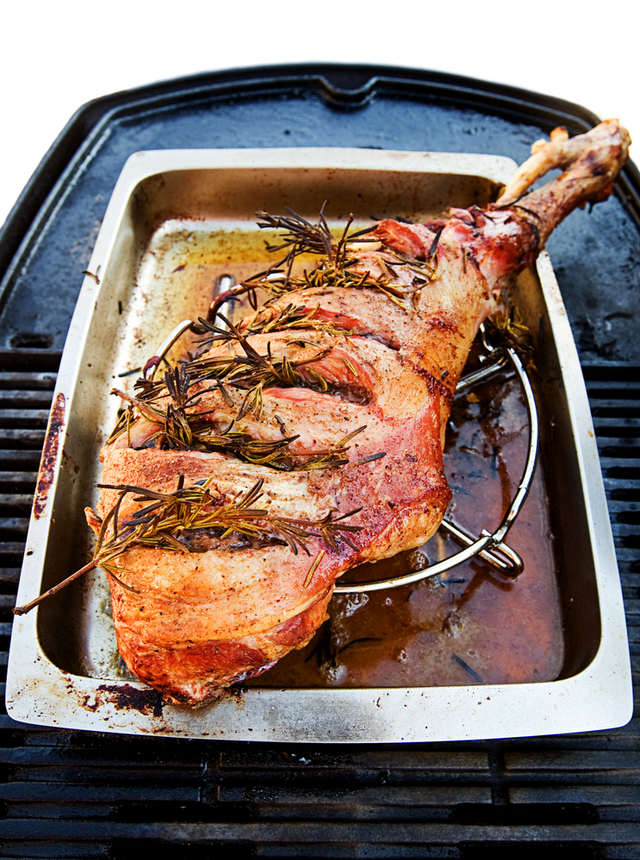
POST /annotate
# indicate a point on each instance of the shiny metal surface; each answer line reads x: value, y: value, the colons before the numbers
x: 64, y: 669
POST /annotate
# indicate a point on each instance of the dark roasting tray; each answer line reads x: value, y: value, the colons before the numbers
x: 580, y: 789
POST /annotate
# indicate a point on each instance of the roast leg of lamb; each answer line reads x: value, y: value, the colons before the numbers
x: 308, y: 438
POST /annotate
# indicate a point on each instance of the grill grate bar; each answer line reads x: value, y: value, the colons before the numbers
x: 15, y: 503
x: 25, y: 460
x: 22, y: 439
x: 25, y: 399
x: 612, y: 427
x: 19, y: 482
x: 313, y: 835
x: 35, y: 419
x: 28, y: 380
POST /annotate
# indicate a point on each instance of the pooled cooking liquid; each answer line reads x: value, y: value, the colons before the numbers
x: 469, y: 625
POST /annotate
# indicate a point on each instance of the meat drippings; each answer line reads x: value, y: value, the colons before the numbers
x: 468, y: 625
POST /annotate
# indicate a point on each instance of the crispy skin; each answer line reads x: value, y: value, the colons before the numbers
x: 189, y: 672
x: 190, y: 624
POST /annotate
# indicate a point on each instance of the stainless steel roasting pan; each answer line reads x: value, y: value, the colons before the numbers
x: 64, y: 669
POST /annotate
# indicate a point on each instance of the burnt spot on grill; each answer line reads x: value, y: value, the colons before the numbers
x: 126, y: 697
x: 49, y: 456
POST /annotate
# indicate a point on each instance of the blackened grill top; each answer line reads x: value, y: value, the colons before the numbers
x: 68, y: 794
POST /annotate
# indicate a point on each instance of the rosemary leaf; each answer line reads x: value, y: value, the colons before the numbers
x: 171, y: 518
x: 314, y: 567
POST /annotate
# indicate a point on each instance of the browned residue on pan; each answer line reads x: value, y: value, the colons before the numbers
x: 125, y: 696
x: 49, y: 456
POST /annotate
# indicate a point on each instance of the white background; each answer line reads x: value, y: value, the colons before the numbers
x: 56, y: 57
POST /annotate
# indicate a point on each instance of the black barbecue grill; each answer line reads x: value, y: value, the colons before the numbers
x: 71, y: 794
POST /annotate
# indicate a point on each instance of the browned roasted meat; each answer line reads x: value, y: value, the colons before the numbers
x: 309, y: 439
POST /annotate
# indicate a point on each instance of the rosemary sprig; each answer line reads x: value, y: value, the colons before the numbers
x: 182, y: 428
x: 509, y: 330
x: 265, y: 321
x: 313, y: 568
x: 252, y: 372
x: 169, y: 521
x: 337, y: 272
x: 303, y: 237
x: 327, y: 276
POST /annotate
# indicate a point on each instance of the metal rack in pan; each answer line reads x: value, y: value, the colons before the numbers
x: 91, y: 795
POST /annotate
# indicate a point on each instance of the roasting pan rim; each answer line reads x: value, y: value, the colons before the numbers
x: 48, y: 676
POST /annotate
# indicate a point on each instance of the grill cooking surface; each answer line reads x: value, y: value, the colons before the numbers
x: 67, y: 794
